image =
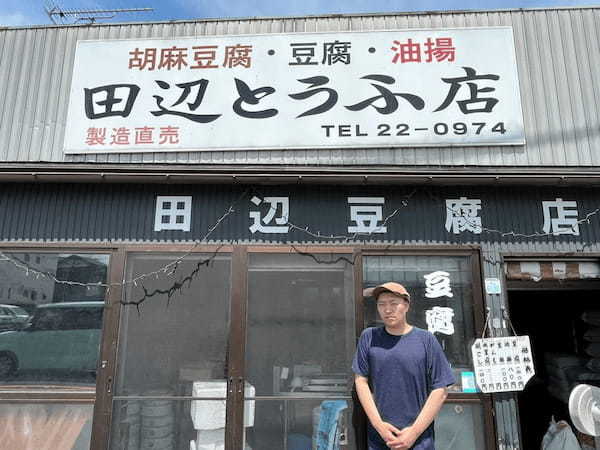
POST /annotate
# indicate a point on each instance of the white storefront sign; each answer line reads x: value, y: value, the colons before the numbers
x: 435, y: 87
x: 502, y: 364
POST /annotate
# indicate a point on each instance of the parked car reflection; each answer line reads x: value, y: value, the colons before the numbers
x: 13, y: 317
x: 61, y: 338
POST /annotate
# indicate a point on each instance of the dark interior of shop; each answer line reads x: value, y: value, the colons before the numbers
x: 563, y: 343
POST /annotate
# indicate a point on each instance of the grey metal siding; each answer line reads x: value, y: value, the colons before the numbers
x: 557, y: 53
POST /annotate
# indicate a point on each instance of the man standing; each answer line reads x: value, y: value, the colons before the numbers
x: 407, y: 371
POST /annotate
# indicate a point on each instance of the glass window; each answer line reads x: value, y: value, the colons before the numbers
x: 460, y: 426
x: 83, y: 319
x: 166, y: 339
x: 299, y: 345
x: 53, y: 315
x: 441, y: 299
x: 305, y: 424
x: 173, y: 343
x: 300, y: 323
x: 167, y: 424
x: 16, y: 311
x: 47, y: 319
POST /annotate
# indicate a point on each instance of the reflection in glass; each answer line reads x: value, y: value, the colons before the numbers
x: 50, y: 331
x: 52, y: 426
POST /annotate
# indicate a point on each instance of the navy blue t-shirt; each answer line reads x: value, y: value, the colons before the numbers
x: 402, y: 371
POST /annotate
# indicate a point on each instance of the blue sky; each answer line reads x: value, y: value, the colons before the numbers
x: 31, y: 12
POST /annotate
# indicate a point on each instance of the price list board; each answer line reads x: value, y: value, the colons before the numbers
x: 502, y: 364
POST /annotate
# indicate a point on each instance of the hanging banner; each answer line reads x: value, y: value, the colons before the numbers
x: 437, y: 87
x: 502, y: 364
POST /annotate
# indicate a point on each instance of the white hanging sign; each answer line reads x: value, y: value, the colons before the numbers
x: 502, y: 364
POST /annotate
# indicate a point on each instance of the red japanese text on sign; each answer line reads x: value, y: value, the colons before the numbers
x: 141, y: 135
x: 195, y: 57
x: 438, y: 49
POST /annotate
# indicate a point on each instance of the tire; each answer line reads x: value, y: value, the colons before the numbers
x: 8, y: 365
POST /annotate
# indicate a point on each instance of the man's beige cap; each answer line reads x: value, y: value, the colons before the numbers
x: 394, y: 288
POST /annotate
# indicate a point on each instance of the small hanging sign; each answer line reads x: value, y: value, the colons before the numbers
x: 492, y: 286
x: 502, y: 364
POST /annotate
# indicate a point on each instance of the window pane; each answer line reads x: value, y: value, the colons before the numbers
x: 300, y: 332
x: 441, y: 299
x: 460, y: 426
x: 55, y: 426
x: 174, y: 331
x: 52, y: 335
x: 169, y: 424
x: 164, y: 424
x: 301, y: 424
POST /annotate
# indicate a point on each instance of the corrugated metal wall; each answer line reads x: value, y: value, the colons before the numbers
x: 557, y: 53
x: 126, y: 212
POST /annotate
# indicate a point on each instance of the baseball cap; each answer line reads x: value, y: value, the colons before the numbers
x: 394, y: 288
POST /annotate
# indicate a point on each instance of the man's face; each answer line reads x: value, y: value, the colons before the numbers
x: 392, y: 309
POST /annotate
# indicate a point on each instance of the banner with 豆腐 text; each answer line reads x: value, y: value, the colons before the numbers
x: 436, y: 87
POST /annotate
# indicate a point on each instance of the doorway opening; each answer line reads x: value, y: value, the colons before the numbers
x: 562, y: 326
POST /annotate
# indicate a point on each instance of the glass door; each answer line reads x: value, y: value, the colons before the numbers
x: 300, y: 338
x: 171, y: 385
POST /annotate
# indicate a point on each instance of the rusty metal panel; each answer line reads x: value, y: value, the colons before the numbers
x: 556, y: 55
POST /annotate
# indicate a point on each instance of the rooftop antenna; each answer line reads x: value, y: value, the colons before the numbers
x: 60, y: 16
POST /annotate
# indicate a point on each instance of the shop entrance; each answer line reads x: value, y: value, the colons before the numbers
x: 563, y: 340
x: 244, y: 348
x: 232, y: 349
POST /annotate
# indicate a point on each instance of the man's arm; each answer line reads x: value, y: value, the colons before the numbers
x: 407, y: 436
x: 386, y: 430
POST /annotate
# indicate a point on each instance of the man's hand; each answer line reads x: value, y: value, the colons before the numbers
x: 387, y: 431
x: 402, y: 440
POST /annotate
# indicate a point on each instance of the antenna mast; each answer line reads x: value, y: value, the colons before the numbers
x: 60, y: 16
